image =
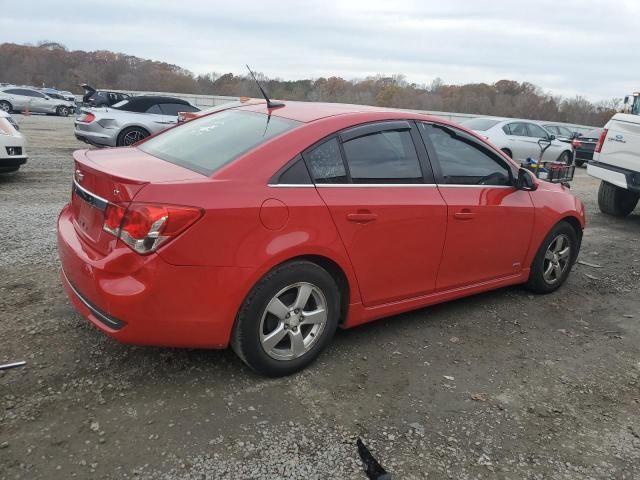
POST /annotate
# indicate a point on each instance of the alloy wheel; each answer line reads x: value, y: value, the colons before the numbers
x: 293, y: 321
x: 556, y: 259
x: 132, y: 137
x: 5, y: 107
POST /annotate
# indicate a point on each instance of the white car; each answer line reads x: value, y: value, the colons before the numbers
x: 23, y: 98
x: 12, y: 145
x: 519, y: 139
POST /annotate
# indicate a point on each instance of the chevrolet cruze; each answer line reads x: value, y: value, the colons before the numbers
x: 266, y: 229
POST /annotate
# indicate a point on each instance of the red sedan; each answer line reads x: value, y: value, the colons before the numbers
x: 268, y: 228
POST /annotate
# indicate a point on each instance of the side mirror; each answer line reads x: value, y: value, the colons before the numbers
x: 525, y: 181
x: 552, y: 137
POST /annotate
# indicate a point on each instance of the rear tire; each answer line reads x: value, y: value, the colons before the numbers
x: 5, y: 106
x: 556, y: 255
x: 566, y: 158
x: 275, y: 333
x: 616, y: 201
x: 507, y: 152
x: 580, y: 163
x: 130, y: 136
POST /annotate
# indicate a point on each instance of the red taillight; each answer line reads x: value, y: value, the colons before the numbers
x: 603, y: 135
x: 87, y: 117
x: 145, y: 226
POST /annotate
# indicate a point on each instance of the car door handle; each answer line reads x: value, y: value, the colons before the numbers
x: 362, y: 217
x: 464, y: 214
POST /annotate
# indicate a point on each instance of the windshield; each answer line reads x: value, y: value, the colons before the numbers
x: 480, y: 124
x: 206, y: 144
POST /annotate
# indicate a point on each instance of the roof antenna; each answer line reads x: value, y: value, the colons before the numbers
x: 270, y: 104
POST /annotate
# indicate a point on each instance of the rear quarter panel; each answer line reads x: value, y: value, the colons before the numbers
x: 621, y: 146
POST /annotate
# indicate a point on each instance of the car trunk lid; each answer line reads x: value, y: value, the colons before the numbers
x: 113, y: 176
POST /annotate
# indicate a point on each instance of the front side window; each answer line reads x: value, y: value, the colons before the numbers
x: 207, y: 143
x: 536, y: 131
x: 325, y: 163
x: 463, y: 161
x: 383, y: 157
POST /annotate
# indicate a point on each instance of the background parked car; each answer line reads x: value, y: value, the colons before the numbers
x: 63, y: 95
x: 519, y: 139
x: 560, y: 131
x: 23, y: 98
x: 585, y: 145
x: 130, y: 120
x: 101, y: 98
x: 12, y: 145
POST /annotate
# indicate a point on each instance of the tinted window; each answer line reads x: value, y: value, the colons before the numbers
x: 463, y: 161
x: 13, y: 91
x: 383, y: 157
x: 152, y: 109
x: 174, y: 108
x: 296, y: 174
x: 565, y: 132
x: 519, y: 129
x: 536, y: 131
x: 205, y: 144
x: 480, y: 124
x: 325, y: 162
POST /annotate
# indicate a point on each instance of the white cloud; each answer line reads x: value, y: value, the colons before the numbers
x: 571, y: 47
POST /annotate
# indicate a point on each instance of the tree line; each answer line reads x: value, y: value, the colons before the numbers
x: 53, y: 65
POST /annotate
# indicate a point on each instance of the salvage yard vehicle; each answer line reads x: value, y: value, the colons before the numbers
x: 267, y: 226
x: 64, y: 95
x: 12, y: 145
x: 130, y: 120
x: 584, y: 145
x: 24, y: 98
x: 616, y: 161
x: 519, y: 138
x: 101, y: 98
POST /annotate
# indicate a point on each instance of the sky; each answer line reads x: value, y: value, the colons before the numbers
x: 586, y: 47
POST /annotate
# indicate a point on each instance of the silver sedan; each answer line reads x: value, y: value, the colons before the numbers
x: 129, y: 121
x: 519, y: 139
x: 23, y: 98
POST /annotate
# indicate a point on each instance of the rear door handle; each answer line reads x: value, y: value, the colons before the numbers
x: 464, y: 214
x: 362, y: 217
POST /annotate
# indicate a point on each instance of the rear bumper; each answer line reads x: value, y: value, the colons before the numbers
x: 620, y: 177
x: 143, y: 300
x: 98, y: 138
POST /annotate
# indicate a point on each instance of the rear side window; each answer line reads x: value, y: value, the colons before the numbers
x: 383, y: 157
x: 325, y: 162
x: 207, y: 143
x: 152, y: 109
x: 463, y: 161
x: 519, y: 129
x: 174, y: 108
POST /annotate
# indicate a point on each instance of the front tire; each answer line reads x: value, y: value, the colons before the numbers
x: 5, y: 106
x: 616, y: 201
x: 288, y: 319
x: 555, y: 257
x: 62, y: 111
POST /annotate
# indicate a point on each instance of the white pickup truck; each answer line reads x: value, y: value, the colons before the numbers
x: 616, y: 161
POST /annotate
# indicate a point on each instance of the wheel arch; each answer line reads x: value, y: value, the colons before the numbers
x: 130, y: 126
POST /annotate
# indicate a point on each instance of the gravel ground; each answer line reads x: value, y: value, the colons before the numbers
x: 500, y: 385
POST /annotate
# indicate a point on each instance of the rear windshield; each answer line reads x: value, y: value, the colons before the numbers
x: 206, y: 144
x: 480, y: 124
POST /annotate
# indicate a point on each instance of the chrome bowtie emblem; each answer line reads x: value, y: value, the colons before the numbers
x: 79, y: 176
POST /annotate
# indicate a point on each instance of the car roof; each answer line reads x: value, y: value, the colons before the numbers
x: 310, y: 111
x: 143, y: 102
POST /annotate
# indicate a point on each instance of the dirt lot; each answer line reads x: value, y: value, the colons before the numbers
x: 500, y: 385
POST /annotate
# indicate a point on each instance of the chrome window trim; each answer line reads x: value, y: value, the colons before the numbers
x: 291, y: 185
x: 374, y: 185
